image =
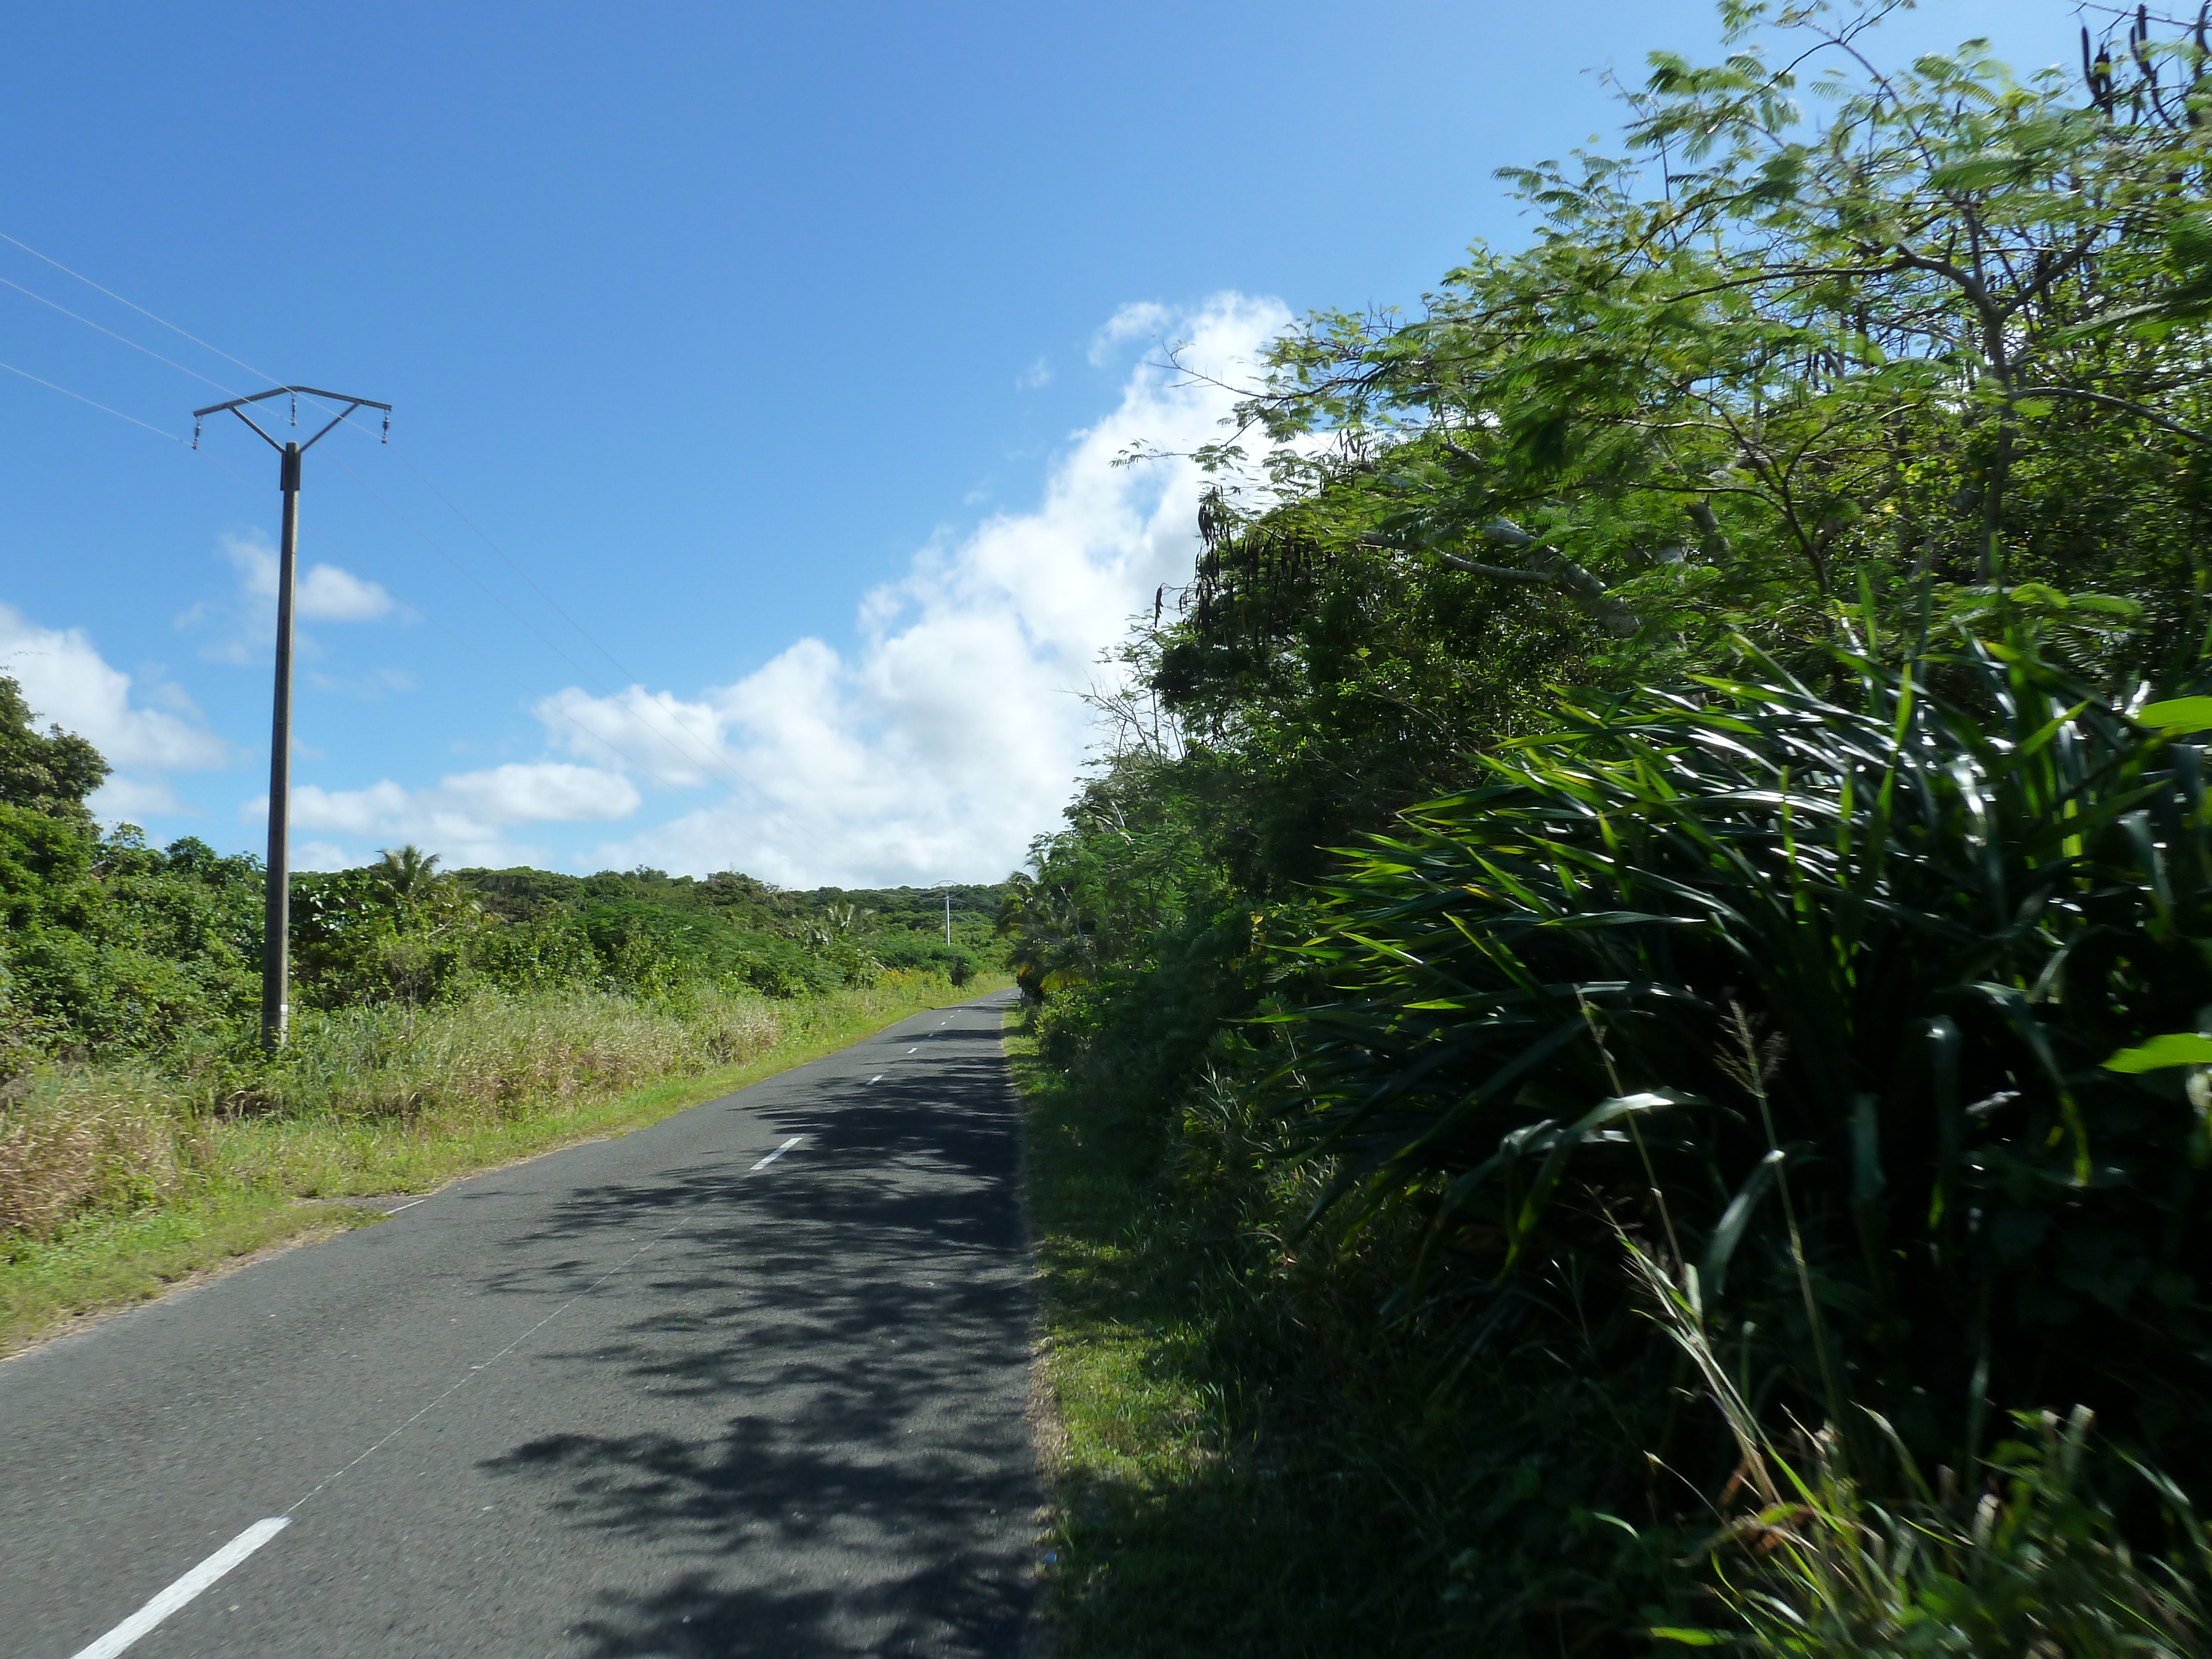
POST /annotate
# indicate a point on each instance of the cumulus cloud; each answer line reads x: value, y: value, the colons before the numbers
x: 1141, y: 320
x: 321, y: 592
x: 382, y: 806
x: 547, y: 792
x: 326, y: 855
x: 69, y: 683
x: 664, y: 737
x: 465, y: 817
x: 323, y: 855
x: 241, y: 630
x: 124, y: 799
x: 955, y: 731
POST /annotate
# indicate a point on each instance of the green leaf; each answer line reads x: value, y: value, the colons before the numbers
x: 1727, y: 1236
x: 2178, y: 714
x: 1555, y: 1159
x: 2174, y: 1049
x: 1688, y: 1638
x: 1980, y: 172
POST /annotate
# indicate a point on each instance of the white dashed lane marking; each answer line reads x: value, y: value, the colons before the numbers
x: 779, y: 1153
x: 182, y: 1592
x: 187, y: 1589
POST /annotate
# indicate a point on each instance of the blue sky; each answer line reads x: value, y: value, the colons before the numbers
x: 775, y: 356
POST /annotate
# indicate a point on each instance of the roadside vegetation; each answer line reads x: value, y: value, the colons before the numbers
x: 443, y: 1023
x: 1618, y: 1053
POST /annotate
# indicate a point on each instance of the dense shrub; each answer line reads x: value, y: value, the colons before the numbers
x: 1755, y: 965
x: 1823, y: 952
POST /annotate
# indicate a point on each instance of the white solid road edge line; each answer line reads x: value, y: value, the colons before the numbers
x: 777, y: 1154
x: 185, y: 1589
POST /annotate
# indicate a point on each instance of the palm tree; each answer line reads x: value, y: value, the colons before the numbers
x: 409, y: 874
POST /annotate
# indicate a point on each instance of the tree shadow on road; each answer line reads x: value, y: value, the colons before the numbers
x: 845, y: 1350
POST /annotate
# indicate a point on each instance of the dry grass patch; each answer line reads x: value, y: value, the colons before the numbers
x: 118, y: 1182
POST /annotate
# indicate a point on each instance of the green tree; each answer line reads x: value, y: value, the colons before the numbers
x: 51, y: 771
x: 408, y: 875
x: 1952, y: 327
x: 1834, y: 357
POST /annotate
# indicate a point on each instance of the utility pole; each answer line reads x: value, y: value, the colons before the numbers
x: 277, y: 902
x: 948, y: 916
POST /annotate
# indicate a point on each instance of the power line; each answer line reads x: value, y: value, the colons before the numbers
x: 409, y: 464
x: 461, y: 640
x: 102, y: 407
x: 251, y: 370
x: 702, y: 746
x: 505, y: 673
x: 113, y: 335
x: 140, y: 310
x: 420, y: 611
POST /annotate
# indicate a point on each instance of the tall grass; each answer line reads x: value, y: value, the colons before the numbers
x: 1250, y: 1458
x: 85, y: 1136
x: 2027, y: 1555
x: 117, y: 1176
x: 494, y: 1056
x: 76, y: 1139
x: 1938, y: 895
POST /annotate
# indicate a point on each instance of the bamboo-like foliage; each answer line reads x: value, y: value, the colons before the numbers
x: 2028, y: 1559
x: 1757, y: 958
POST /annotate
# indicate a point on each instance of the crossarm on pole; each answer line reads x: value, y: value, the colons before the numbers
x: 299, y: 391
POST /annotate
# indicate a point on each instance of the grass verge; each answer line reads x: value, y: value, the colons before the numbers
x: 1238, y: 1460
x: 254, y: 1183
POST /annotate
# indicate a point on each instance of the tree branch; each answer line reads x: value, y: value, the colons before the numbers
x: 2120, y: 403
x: 1544, y: 564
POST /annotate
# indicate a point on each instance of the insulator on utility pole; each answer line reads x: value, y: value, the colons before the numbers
x: 276, y: 902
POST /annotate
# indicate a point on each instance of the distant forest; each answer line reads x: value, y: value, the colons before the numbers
x: 112, y: 946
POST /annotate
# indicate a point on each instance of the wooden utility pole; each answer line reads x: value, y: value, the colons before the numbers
x: 277, y: 900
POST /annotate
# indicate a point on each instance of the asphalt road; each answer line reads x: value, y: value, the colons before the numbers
x: 639, y: 1397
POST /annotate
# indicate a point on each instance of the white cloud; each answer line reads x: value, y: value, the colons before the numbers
x: 321, y: 592
x: 465, y: 817
x: 956, y: 731
x: 1038, y: 374
x: 327, y: 593
x: 1140, y: 319
x: 124, y: 799
x: 242, y: 630
x: 655, y: 733
x: 548, y: 792
x: 323, y: 855
x: 66, y: 680
x: 380, y: 807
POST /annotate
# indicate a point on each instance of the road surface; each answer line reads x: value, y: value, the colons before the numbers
x: 750, y: 1382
